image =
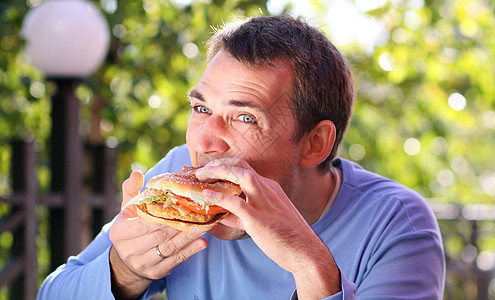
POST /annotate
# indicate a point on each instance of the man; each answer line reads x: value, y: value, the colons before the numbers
x: 269, y: 113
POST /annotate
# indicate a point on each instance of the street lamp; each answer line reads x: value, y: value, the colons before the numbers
x: 67, y: 41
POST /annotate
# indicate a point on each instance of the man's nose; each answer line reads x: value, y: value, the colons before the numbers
x: 212, y: 135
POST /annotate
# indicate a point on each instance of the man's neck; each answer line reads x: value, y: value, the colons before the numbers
x: 316, y: 192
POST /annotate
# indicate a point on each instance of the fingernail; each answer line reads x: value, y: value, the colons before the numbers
x: 202, y: 246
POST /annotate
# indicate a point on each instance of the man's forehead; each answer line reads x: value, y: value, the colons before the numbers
x: 239, y: 84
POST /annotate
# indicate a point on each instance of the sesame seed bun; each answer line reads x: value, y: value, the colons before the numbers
x: 176, y: 200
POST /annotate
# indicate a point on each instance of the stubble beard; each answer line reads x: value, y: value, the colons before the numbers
x: 228, y: 233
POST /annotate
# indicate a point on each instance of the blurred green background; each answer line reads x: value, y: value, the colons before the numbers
x: 425, y: 111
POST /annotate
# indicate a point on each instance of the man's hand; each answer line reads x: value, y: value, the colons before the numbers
x: 276, y: 226
x: 134, y: 260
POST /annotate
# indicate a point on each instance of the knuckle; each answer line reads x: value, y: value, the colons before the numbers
x: 139, y: 267
x: 272, y: 183
x: 250, y: 177
x: 142, y: 230
x: 125, y: 256
x: 113, y: 235
x: 155, y: 274
x: 158, y: 236
x: 181, y: 257
x: 124, y: 184
x: 237, y: 205
x: 116, y: 233
x: 169, y: 248
x: 235, y: 160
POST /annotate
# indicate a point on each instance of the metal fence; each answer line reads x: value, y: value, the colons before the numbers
x: 96, y: 194
x: 466, y: 231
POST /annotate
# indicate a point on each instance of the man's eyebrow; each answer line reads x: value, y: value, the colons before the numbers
x: 195, y: 94
x: 234, y: 102
x: 244, y: 103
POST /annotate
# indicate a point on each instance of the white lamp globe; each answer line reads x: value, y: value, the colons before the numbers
x: 66, y: 39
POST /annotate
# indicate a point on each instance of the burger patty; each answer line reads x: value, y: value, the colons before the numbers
x: 159, y: 210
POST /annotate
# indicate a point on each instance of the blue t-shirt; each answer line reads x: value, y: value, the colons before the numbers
x: 382, y: 235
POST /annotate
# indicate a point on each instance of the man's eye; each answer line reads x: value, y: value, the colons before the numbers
x: 247, y: 119
x: 201, y: 109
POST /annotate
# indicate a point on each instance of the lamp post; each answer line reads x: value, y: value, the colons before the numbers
x: 67, y: 41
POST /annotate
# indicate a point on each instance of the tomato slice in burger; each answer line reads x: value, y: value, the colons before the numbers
x: 195, y: 207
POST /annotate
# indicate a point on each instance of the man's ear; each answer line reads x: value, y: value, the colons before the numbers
x: 318, y: 144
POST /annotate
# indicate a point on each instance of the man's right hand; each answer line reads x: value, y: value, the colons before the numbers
x: 134, y: 260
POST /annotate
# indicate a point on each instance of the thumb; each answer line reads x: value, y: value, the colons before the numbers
x: 131, y: 186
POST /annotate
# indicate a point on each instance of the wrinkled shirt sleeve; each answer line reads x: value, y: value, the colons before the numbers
x: 348, y: 291
x: 410, y: 266
x: 85, y: 276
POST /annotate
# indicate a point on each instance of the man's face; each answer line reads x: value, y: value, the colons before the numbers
x: 241, y: 111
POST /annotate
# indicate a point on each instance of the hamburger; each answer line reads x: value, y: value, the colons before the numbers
x: 176, y: 200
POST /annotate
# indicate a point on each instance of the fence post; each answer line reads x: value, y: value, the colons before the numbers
x: 24, y: 181
x: 111, y: 207
x: 104, y: 161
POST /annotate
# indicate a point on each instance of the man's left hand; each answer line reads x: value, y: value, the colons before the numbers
x: 272, y: 221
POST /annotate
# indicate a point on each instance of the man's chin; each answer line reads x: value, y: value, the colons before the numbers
x: 228, y: 233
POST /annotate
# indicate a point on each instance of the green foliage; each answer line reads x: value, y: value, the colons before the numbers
x: 157, y: 55
x: 406, y: 118
x: 136, y: 101
x: 138, y: 97
x: 425, y: 116
x: 425, y: 111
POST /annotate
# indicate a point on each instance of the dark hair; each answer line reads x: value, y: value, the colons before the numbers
x: 323, y: 87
